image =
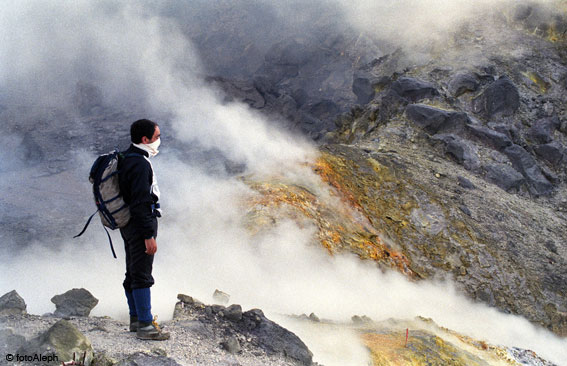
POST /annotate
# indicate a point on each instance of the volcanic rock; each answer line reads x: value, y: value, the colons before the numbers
x: 504, y: 176
x: 527, y: 165
x: 542, y: 130
x: 231, y: 345
x: 500, y: 97
x: 252, y: 324
x: 465, y: 183
x: 233, y: 313
x: 9, y: 341
x: 414, y: 90
x: 12, y: 303
x: 64, y: 340
x: 363, y: 89
x: 273, y: 338
x: 461, y: 150
x: 462, y: 83
x: 435, y: 120
x: 554, y: 153
x: 75, y: 302
x: 489, y: 137
x: 221, y: 297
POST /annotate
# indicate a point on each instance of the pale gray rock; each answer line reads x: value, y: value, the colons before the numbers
x: 11, y: 303
x: 62, y: 339
x: 221, y: 297
x: 231, y: 345
x: 75, y: 302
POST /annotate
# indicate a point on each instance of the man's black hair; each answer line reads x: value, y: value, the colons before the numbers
x: 140, y: 128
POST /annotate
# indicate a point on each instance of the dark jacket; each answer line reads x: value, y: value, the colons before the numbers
x: 135, y: 179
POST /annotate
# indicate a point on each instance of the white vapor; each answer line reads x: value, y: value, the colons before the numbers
x: 135, y: 56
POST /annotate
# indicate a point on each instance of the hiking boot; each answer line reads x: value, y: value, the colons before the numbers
x: 134, y: 323
x: 151, y: 331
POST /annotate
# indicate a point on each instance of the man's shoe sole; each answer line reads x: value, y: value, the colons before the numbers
x: 161, y: 336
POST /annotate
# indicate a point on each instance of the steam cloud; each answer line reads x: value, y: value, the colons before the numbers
x: 135, y: 56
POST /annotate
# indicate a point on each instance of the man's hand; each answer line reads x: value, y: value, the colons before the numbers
x: 151, y: 246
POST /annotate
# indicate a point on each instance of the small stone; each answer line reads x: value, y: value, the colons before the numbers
x: 12, y: 303
x: 221, y: 297
x: 314, y: 318
x: 217, y: 308
x: 233, y: 313
x: 465, y: 183
x: 465, y: 210
x: 231, y: 345
x: 185, y: 299
x: 159, y: 351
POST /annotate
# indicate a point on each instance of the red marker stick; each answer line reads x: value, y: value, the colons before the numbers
x: 407, y: 336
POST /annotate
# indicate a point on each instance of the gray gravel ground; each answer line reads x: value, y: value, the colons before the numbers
x: 187, y: 345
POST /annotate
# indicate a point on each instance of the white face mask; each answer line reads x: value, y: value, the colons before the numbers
x: 151, y: 148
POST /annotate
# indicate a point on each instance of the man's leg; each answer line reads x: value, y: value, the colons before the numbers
x: 127, y: 284
x: 140, y: 269
x: 142, y: 298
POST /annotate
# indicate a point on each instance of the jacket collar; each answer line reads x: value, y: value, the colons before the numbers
x: 137, y: 150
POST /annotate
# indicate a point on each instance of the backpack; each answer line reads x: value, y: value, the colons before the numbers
x: 112, y: 209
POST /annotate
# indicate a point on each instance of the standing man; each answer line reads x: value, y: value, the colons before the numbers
x: 139, y: 189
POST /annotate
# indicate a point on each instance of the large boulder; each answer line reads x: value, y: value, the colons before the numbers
x: 489, y: 137
x: 542, y: 130
x: 461, y: 150
x: 63, y: 340
x: 554, y: 153
x: 463, y: 83
x: 363, y: 89
x: 504, y: 176
x: 75, y: 302
x: 499, y: 98
x: 527, y: 165
x: 9, y: 341
x: 434, y: 120
x: 12, y: 304
x: 275, y: 339
x: 414, y: 90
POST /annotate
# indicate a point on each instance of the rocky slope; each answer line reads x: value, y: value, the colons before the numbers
x: 447, y: 165
x: 457, y: 160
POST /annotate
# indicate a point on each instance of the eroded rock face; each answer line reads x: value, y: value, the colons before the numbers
x: 397, y: 188
x: 252, y: 325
